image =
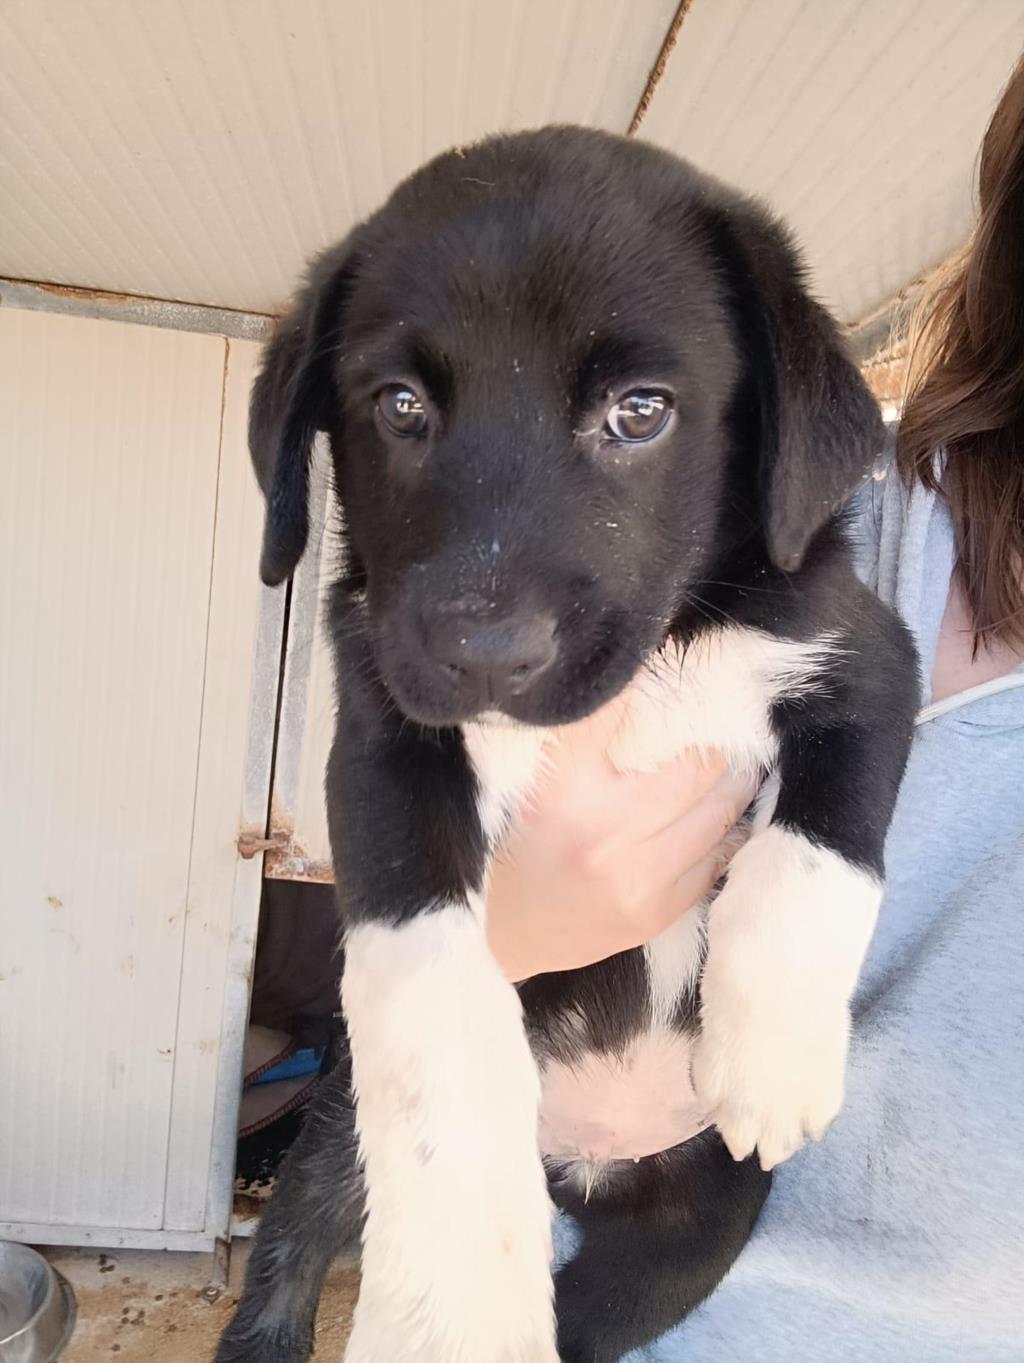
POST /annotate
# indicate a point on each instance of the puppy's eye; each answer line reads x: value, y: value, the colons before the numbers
x: 639, y: 416
x: 401, y: 409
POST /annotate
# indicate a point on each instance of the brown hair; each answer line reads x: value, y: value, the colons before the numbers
x: 966, y: 386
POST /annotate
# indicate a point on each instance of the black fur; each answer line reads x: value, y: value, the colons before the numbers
x: 315, y: 1214
x: 657, y: 1239
x: 521, y: 286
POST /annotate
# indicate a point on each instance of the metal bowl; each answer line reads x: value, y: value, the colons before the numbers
x: 37, y: 1307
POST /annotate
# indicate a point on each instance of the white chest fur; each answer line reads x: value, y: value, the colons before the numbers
x: 718, y: 693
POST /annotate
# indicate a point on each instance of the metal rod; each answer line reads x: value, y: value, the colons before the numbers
x: 124, y: 307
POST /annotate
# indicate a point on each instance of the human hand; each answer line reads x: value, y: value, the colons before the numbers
x: 602, y: 861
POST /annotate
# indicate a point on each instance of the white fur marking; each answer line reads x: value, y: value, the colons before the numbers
x: 786, y: 940
x: 717, y: 693
x: 507, y: 760
x: 457, y: 1241
x: 604, y: 1106
x: 673, y: 963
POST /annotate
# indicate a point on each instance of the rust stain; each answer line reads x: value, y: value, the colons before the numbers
x: 886, y: 375
x: 129, y: 299
x: 285, y: 857
x: 253, y: 838
x: 93, y: 295
x: 54, y: 902
x: 247, y: 1207
x: 292, y: 863
x: 658, y: 69
x: 249, y: 846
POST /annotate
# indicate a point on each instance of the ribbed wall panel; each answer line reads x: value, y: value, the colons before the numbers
x: 109, y: 453
x: 213, y: 997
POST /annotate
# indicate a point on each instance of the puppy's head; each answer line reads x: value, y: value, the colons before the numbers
x: 564, y: 377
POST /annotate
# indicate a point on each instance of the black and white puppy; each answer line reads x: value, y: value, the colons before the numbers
x: 589, y: 437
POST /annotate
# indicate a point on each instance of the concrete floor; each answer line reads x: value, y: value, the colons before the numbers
x: 136, y: 1306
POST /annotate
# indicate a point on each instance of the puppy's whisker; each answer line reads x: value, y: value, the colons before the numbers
x: 589, y: 1177
x: 745, y: 586
x: 710, y: 611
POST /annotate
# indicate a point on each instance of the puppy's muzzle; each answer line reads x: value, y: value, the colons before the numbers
x: 488, y: 660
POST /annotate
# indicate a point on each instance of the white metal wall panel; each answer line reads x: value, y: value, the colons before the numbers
x: 202, y: 151
x: 859, y: 120
x: 217, y: 877
x: 109, y: 442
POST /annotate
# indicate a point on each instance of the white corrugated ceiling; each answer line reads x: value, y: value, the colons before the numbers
x: 860, y: 120
x: 200, y: 150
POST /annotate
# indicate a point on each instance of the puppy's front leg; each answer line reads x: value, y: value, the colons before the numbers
x: 456, y: 1246
x: 456, y: 1243
x: 788, y: 934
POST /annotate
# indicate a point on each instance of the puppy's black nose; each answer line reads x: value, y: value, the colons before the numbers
x: 493, y: 658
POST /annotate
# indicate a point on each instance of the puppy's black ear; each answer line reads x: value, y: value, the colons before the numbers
x: 292, y: 399
x: 821, y: 428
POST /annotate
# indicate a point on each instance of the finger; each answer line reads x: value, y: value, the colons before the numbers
x: 642, y: 804
x: 610, y: 810
x: 676, y: 868
x: 676, y: 848
x: 690, y: 774
x: 697, y: 883
x: 732, y: 790
x: 655, y: 914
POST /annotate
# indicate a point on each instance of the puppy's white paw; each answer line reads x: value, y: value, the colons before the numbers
x: 786, y: 940
x: 768, y: 1068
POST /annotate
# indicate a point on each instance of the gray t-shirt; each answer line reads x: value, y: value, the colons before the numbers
x: 900, y: 1238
